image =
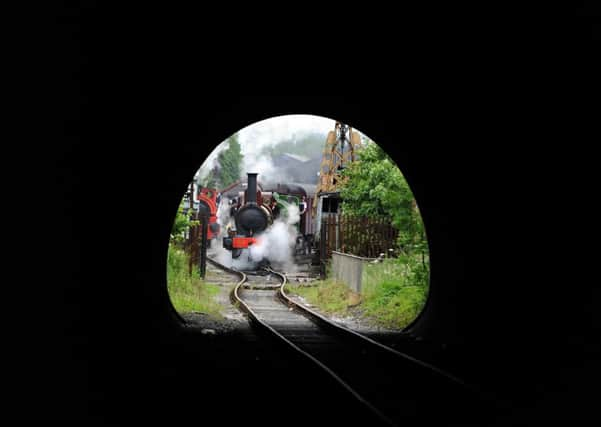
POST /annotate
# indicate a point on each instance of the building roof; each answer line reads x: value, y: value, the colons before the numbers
x: 240, y: 185
x: 296, y: 157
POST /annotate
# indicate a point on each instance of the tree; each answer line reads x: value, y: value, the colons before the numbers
x: 210, y: 180
x: 375, y: 186
x: 230, y: 161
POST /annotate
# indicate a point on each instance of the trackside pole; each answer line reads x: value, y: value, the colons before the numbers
x: 204, y: 225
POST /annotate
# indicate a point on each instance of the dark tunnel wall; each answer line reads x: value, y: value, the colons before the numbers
x: 499, y: 310
x: 501, y: 168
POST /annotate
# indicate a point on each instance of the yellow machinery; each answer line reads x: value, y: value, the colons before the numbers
x: 340, y: 150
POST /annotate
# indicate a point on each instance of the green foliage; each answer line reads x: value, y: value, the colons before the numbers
x: 376, y: 186
x: 180, y: 225
x: 210, y: 180
x: 230, y: 161
x: 189, y: 293
x: 395, y: 291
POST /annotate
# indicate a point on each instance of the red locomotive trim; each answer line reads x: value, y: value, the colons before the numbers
x: 209, y: 197
x: 243, y: 242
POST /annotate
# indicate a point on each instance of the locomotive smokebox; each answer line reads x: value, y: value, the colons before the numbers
x: 251, y: 189
x: 251, y: 218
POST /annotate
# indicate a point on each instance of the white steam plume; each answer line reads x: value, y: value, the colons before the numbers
x: 277, y: 243
x: 269, y: 172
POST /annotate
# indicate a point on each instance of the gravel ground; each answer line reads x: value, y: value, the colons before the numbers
x: 233, y: 320
x: 213, y: 326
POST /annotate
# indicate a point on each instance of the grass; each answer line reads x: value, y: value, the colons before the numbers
x: 393, y: 293
x: 330, y: 296
x: 189, y: 293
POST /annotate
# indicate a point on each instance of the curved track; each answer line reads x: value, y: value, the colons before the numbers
x: 414, y: 390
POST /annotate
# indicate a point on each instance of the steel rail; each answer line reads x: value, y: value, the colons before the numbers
x: 239, y: 302
x: 320, y: 319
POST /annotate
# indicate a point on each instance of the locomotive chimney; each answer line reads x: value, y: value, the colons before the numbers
x: 251, y: 189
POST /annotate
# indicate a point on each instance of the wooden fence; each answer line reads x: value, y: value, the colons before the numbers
x: 362, y: 236
x: 196, y: 245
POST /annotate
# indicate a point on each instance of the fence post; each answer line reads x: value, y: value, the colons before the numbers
x: 322, y: 250
x: 204, y: 222
x: 190, y: 248
x: 341, y: 227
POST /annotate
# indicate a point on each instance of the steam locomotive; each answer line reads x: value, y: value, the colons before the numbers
x: 255, y: 214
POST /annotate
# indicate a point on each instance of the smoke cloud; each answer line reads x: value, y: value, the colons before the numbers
x: 276, y: 244
x: 271, y: 132
x: 268, y: 172
x: 268, y: 133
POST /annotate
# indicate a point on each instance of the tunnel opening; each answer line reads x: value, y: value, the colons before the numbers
x: 326, y: 200
x: 491, y: 316
x: 319, y: 242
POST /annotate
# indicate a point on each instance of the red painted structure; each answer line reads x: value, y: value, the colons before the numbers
x: 243, y: 242
x: 208, y: 203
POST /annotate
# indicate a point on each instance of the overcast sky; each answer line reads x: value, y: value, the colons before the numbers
x: 272, y: 131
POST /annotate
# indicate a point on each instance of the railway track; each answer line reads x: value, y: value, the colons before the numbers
x: 395, y: 387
